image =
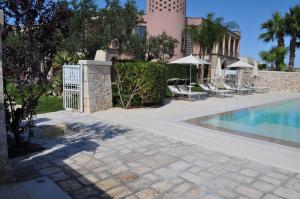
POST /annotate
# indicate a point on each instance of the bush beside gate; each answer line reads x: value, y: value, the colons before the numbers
x: 139, y: 84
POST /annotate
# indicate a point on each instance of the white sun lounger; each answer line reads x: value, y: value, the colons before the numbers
x: 175, y: 91
x: 216, y: 92
x: 237, y: 90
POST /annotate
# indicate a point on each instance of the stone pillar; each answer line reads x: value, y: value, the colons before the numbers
x: 238, y: 48
x: 3, y: 138
x: 97, y: 89
x: 234, y: 49
x: 224, y: 45
x: 229, y: 45
x: 216, y: 48
x: 213, y: 66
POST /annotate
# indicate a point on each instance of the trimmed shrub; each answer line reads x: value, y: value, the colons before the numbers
x: 139, y: 83
x: 181, y: 71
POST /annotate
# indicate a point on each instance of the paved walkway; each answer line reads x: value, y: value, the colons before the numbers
x: 168, y: 121
x: 105, y: 161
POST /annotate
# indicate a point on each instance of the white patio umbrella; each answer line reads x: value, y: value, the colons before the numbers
x: 218, y: 68
x: 240, y: 64
x: 191, y: 60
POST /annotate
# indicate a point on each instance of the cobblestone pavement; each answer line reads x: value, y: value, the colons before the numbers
x: 114, y: 162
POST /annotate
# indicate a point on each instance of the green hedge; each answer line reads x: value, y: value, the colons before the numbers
x: 139, y: 84
x: 181, y: 72
x: 174, y: 70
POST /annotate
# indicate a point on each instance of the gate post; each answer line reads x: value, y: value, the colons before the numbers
x: 97, y: 88
x: 3, y: 138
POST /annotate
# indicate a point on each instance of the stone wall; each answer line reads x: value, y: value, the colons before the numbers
x: 279, y: 81
x: 97, y: 90
x: 3, y: 144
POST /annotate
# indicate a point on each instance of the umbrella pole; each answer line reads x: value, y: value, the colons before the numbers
x: 190, y: 79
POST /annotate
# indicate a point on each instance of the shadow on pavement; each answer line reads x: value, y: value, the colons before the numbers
x: 69, y: 160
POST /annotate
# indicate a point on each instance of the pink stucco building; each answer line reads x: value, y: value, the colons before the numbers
x: 170, y: 16
x: 166, y: 16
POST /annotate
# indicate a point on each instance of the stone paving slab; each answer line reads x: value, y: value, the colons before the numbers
x: 100, y: 163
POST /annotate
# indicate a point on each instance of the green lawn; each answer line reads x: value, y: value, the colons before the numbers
x: 49, y: 104
x: 46, y: 103
x: 197, y: 89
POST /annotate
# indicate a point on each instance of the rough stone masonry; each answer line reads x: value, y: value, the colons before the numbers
x: 97, y: 88
x: 3, y: 144
x: 279, y: 81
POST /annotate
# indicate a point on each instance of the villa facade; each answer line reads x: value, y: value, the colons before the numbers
x: 170, y: 16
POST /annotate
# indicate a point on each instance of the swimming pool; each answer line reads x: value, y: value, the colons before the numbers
x: 276, y: 122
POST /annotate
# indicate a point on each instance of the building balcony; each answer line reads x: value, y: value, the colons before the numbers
x: 228, y: 54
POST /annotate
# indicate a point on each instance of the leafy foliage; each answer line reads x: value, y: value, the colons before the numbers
x: 61, y: 58
x: 32, y: 33
x: 210, y: 32
x: 275, y: 29
x: 118, y: 22
x: 161, y: 47
x: 140, y: 83
x: 262, y: 66
x: 272, y: 57
x: 92, y: 29
x: 138, y: 47
x: 181, y: 71
x: 83, y: 36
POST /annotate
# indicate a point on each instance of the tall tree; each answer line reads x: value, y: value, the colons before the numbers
x: 292, y: 21
x: 84, y: 35
x: 92, y: 29
x: 209, y: 33
x: 32, y: 33
x: 119, y: 22
x: 275, y: 29
x: 159, y: 47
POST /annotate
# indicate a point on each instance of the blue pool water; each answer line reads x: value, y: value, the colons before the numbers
x: 279, y: 122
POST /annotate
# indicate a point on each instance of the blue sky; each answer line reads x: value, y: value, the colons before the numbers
x: 249, y: 14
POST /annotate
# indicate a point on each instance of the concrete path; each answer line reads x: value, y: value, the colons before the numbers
x: 168, y: 121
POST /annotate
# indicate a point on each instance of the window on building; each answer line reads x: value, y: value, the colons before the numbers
x: 140, y: 31
x: 187, y: 45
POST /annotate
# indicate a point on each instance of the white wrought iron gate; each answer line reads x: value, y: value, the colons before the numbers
x: 72, y: 87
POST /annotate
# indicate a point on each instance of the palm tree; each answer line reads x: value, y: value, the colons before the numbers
x: 209, y: 33
x: 60, y: 58
x: 271, y: 57
x: 292, y: 20
x: 275, y: 30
